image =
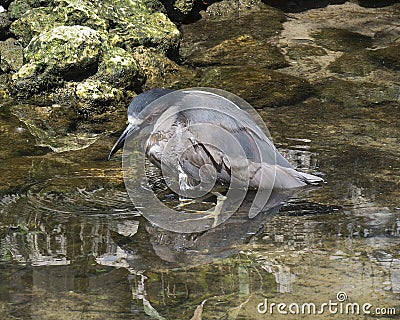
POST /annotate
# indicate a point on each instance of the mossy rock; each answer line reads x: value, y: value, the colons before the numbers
x: 11, y: 55
x: 342, y: 40
x: 65, y: 50
x: 229, y: 10
x: 5, y: 23
x: 353, y: 64
x: 135, y: 24
x: 97, y: 92
x: 160, y: 71
x: 243, y: 50
x: 17, y: 8
x: 207, y: 33
x: 32, y: 23
x: 184, y: 6
x: 118, y: 68
x: 31, y: 79
x: 260, y: 87
x: 79, y: 12
x: 60, y: 54
x: 129, y: 23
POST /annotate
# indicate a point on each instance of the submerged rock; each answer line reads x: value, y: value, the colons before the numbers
x: 356, y: 93
x: 303, y: 50
x: 243, y: 50
x: 213, y: 29
x: 260, y: 87
x: 353, y: 64
x: 342, y: 40
x: 388, y: 57
x: 52, y: 126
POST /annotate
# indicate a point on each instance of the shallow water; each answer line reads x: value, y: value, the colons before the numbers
x: 66, y: 249
x: 72, y: 246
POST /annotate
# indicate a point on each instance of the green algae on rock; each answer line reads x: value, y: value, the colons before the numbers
x: 342, y: 40
x: 388, y: 57
x: 17, y: 8
x: 66, y: 49
x: 96, y: 93
x: 134, y: 24
x: 79, y: 12
x: 32, y: 23
x: 11, y: 55
x: 184, y: 6
x: 260, y: 87
x: 56, y: 55
x: 160, y: 71
x: 243, y: 50
x: 72, y: 40
x: 118, y: 68
x: 354, y: 63
x: 356, y: 93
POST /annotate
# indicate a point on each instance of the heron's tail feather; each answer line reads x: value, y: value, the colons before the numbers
x: 291, y: 178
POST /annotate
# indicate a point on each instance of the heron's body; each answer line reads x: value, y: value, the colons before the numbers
x: 211, y: 118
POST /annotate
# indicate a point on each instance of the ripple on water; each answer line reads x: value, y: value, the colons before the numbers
x: 82, y: 195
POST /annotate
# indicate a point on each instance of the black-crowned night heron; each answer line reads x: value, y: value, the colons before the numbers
x: 264, y: 163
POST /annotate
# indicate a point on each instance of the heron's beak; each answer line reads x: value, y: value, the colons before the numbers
x: 121, y: 140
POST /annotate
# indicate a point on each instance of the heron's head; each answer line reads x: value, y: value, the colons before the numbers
x: 137, y: 105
